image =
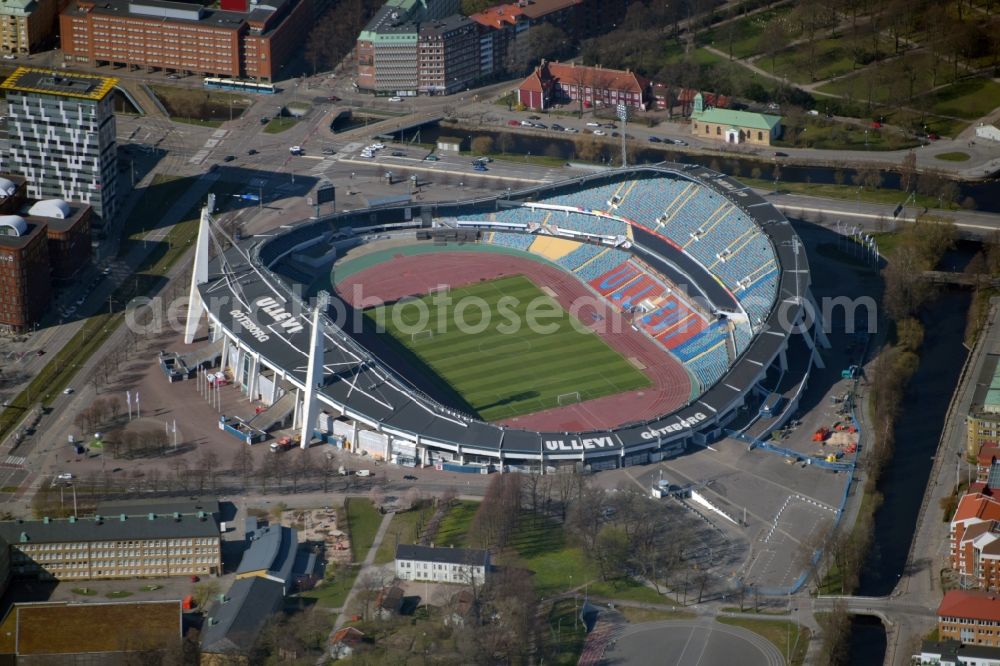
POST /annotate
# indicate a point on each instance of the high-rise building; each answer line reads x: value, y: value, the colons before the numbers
x: 62, y: 136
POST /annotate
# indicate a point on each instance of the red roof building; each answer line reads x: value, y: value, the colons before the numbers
x: 975, y: 541
x: 555, y: 83
x: 970, y: 617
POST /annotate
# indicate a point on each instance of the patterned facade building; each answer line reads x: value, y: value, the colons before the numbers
x: 63, y: 136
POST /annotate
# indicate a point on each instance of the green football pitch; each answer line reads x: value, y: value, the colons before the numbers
x: 500, y: 369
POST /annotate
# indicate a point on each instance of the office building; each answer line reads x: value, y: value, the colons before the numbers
x: 447, y: 55
x: 242, y: 39
x: 67, y: 226
x: 28, y: 26
x: 25, y: 285
x: 123, y: 545
x: 953, y: 653
x: 388, y: 49
x: 63, y: 136
x: 974, y: 536
x: 442, y: 565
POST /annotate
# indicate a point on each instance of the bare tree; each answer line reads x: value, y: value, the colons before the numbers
x: 243, y: 463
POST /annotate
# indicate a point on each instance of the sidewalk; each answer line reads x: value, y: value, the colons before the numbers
x: 365, y: 566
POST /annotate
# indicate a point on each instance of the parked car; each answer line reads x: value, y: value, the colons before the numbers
x: 593, y: 124
x: 265, y: 120
x: 534, y: 117
x: 229, y: 158
x: 67, y: 391
x: 541, y: 126
x: 65, y: 476
x: 409, y: 477
x: 395, y: 99
x: 333, y: 98
x: 252, y: 151
x: 527, y: 123
x: 655, y: 139
x: 557, y: 127
x: 572, y: 130
x: 484, y: 158
x: 479, y: 166
x: 680, y: 142
x: 514, y: 123
x: 598, y: 132
x: 398, y: 153
x: 778, y: 153
x: 432, y: 158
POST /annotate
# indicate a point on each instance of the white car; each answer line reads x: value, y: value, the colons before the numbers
x: 67, y: 391
x: 572, y: 130
x: 378, y: 146
x: 9, y: 56
x: 600, y: 133
x: 395, y: 99
x: 295, y: 150
x: 593, y: 124
x: 65, y: 476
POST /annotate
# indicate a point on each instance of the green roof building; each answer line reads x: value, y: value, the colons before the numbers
x: 733, y: 126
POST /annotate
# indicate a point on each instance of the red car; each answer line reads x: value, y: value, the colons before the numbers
x: 514, y: 123
x: 194, y: 579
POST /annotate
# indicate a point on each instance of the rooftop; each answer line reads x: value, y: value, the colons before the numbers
x: 441, y: 555
x: 969, y: 605
x: 761, y: 121
x: 62, y: 83
x: 976, y: 505
x: 96, y: 627
x: 108, y: 528
x: 987, y: 395
x: 8, y: 241
x: 233, y: 622
x: 596, y: 77
x: 272, y: 550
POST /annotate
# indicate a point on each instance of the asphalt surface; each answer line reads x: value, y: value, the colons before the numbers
x: 698, y: 642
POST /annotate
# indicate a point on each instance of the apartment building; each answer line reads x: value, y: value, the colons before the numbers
x: 28, y: 26
x: 983, y: 420
x: 441, y: 565
x: 558, y: 83
x: 972, y: 618
x: 63, y: 136
x: 117, y: 546
x: 447, y: 55
x: 974, y: 536
x: 244, y: 39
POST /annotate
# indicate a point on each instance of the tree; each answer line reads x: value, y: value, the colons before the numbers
x: 775, y: 37
x: 243, y: 463
x: 835, y: 629
x: 545, y: 41
x: 208, y: 463
x: 205, y: 592
x: 908, y: 172
x: 482, y: 145
x: 302, y: 469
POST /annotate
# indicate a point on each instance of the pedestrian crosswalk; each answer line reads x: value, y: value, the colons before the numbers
x: 13, y: 461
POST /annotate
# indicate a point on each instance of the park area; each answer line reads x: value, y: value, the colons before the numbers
x: 197, y: 106
x: 499, y: 364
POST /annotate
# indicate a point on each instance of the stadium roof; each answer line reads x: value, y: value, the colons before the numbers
x: 375, y: 392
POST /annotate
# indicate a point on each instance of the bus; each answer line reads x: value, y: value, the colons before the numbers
x: 771, y: 405
x: 245, y: 86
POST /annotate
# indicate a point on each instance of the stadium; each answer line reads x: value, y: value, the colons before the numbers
x: 670, y: 291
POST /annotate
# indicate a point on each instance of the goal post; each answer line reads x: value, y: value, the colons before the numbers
x: 568, y: 398
x: 421, y: 335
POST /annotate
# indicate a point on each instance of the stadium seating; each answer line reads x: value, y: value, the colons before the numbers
x: 604, y: 263
x: 742, y: 334
x: 705, y: 340
x: 591, y: 224
x: 594, y: 198
x: 758, y: 297
x: 515, y: 241
x: 579, y: 256
x: 710, y: 366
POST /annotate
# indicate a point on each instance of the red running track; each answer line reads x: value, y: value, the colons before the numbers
x: 416, y: 275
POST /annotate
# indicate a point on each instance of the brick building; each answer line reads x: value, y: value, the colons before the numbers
x: 68, y: 230
x: 558, y: 83
x: 25, y: 285
x: 28, y: 26
x: 240, y: 40
x: 972, y: 618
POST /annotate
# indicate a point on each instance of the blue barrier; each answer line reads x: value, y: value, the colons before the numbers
x: 789, y: 453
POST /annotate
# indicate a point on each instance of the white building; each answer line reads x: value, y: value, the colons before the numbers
x: 988, y: 132
x: 441, y: 565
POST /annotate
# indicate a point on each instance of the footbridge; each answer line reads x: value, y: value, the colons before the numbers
x: 891, y: 610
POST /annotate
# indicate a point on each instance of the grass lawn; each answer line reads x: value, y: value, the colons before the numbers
x: 780, y: 632
x: 639, y: 615
x: 363, y: 520
x: 198, y: 106
x: 500, y: 364
x: 813, y: 132
x: 831, y: 57
x: 402, y: 529
x: 118, y: 594
x: 84, y: 591
x: 333, y: 593
x: 566, y: 634
x: 954, y: 156
x: 280, y: 124
x: 540, y: 546
x: 889, y: 81
x: 454, y: 528
x: 742, y: 38
x: 833, y: 191
x: 967, y: 99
